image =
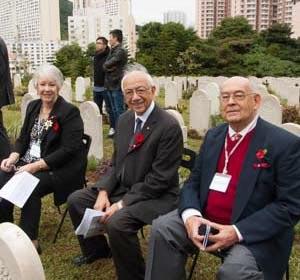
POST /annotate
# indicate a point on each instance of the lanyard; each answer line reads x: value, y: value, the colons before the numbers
x: 228, y: 155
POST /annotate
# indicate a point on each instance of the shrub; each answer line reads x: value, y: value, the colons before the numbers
x: 290, y: 114
x: 92, y: 163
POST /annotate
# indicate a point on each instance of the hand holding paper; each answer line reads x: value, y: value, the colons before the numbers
x: 19, y: 188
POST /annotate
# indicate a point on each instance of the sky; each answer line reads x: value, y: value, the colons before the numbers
x: 152, y: 10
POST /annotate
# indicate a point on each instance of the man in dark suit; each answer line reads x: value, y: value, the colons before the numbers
x: 6, y: 97
x: 246, y: 185
x: 142, y: 185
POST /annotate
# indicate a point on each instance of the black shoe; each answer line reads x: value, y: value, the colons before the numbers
x: 81, y: 260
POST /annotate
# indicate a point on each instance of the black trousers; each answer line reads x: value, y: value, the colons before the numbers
x: 31, y: 211
x: 122, y: 229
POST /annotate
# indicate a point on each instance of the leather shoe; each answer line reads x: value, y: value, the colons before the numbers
x: 81, y: 260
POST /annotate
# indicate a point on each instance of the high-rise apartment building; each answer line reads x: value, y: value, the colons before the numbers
x: 29, y: 20
x: 209, y: 13
x: 31, y: 29
x: 260, y: 13
x: 175, y: 16
x: 93, y: 18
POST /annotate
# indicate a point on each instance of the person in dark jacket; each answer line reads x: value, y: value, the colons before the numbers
x: 114, y: 67
x: 100, y: 92
x: 6, y: 97
x: 50, y: 147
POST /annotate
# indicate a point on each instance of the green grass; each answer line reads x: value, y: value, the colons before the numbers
x: 56, y: 258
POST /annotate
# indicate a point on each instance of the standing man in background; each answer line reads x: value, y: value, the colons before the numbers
x: 6, y: 97
x: 100, y: 92
x: 114, y: 70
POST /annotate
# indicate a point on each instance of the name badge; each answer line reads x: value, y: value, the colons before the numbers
x: 35, y: 150
x: 220, y: 182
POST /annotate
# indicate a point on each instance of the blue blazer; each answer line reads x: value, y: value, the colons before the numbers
x: 267, y: 203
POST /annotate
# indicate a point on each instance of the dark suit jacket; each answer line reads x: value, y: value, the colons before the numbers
x: 267, y: 203
x: 146, y: 178
x: 62, y: 150
x: 6, y: 91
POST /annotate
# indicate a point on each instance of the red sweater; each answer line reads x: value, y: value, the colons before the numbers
x: 219, y: 205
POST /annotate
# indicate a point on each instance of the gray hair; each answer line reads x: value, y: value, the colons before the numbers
x: 136, y: 67
x: 48, y: 70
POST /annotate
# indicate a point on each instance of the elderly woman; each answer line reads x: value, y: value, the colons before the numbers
x: 50, y: 147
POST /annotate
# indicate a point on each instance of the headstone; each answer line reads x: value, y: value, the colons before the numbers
x: 156, y: 83
x: 17, y: 81
x: 66, y: 91
x: 92, y: 120
x: 19, y: 259
x: 271, y: 110
x: 87, y: 81
x: 200, y: 112
x: 213, y: 92
x: 180, y: 120
x: 31, y: 87
x: 68, y: 80
x: 292, y: 127
x: 25, y: 101
x: 79, y: 89
x: 262, y: 89
x: 171, y: 99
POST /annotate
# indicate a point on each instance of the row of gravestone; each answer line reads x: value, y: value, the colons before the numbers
x: 285, y: 87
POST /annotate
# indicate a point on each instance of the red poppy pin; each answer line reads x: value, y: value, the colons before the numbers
x: 139, y: 139
x: 262, y: 159
x: 52, y: 122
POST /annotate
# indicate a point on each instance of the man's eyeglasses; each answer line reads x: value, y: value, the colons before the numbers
x: 138, y: 91
x: 237, y: 96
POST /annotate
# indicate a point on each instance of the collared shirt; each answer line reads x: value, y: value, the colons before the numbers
x: 187, y: 213
x: 145, y: 116
x: 244, y: 131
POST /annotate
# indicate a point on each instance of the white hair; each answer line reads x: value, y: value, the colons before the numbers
x: 48, y: 70
x: 136, y: 68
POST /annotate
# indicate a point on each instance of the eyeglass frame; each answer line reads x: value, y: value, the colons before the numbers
x: 235, y: 97
x: 140, y: 91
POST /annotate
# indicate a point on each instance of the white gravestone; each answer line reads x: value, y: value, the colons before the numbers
x: 271, y: 110
x: 92, y: 120
x: 19, y: 259
x: 25, y: 101
x: 87, y: 82
x: 213, y: 92
x: 79, y: 89
x: 200, y: 112
x: 180, y: 120
x: 17, y: 81
x: 171, y: 99
x: 31, y: 87
x: 292, y: 127
x: 66, y: 91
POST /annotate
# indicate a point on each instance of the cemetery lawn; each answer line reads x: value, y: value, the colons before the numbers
x: 56, y: 258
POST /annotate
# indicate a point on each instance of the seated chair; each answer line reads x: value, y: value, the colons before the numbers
x: 87, y: 140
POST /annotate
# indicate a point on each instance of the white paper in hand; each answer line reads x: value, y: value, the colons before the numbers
x: 19, y: 188
x: 90, y: 225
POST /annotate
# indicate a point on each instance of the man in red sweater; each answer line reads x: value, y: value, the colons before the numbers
x: 246, y: 186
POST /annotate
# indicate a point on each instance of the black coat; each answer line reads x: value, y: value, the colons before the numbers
x: 114, y: 67
x: 6, y: 90
x: 146, y: 178
x: 99, y: 74
x: 61, y: 149
x: 267, y: 202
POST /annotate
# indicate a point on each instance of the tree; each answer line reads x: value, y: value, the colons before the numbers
x: 159, y: 46
x: 72, y: 61
x: 237, y: 27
